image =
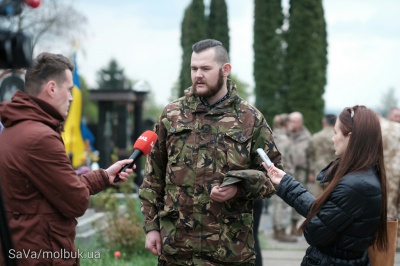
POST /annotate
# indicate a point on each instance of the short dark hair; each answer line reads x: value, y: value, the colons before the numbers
x: 45, y: 67
x: 330, y: 119
x: 221, y: 55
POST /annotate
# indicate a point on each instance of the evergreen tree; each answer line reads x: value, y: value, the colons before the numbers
x: 241, y: 86
x: 388, y: 101
x: 113, y: 77
x: 268, y: 57
x: 217, y: 23
x: 306, y: 60
x: 89, y: 107
x: 193, y: 30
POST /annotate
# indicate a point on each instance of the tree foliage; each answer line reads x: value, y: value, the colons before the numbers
x: 53, y: 23
x: 193, y: 30
x: 113, y: 77
x: 388, y: 101
x: 217, y: 22
x: 306, y: 60
x: 89, y: 108
x: 268, y: 57
x: 241, y: 86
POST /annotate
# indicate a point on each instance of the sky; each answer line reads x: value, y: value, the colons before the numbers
x: 144, y: 38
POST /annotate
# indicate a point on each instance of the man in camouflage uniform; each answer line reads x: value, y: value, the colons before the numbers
x: 280, y: 210
x: 394, y: 114
x: 207, y: 136
x: 322, y: 151
x: 391, y: 153
x: 300, y: 140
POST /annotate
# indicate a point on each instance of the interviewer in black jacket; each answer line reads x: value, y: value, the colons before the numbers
x: 350, y: 214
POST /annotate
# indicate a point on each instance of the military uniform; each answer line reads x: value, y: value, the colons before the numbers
x: 280, y: 211
x: 391, y: 153
x: 198, y: 148
x: 322, y: 152
x: 299, y: 150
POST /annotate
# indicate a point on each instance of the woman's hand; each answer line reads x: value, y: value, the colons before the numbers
x: 275, y: 174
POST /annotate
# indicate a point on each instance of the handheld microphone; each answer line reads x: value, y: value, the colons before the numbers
x: 142, y: 146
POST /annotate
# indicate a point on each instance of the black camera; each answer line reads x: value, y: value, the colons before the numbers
x: 15, y: 47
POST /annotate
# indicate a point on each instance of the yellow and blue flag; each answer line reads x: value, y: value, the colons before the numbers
x: 72, y: 135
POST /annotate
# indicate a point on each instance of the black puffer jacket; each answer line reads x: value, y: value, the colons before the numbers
x: 344, y: 228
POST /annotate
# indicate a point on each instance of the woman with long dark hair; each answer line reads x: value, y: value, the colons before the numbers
x: 350, y: 215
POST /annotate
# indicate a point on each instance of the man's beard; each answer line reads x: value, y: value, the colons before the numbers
x: 212, y: 90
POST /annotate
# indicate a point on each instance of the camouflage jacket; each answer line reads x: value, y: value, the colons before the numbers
x: 391, y: 154
x: 283, y: 143
x: 299, y: 151
x: 196, y: 147
x: 321, y: 148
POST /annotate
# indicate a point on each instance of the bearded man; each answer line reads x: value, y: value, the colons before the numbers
x: 203, y: 175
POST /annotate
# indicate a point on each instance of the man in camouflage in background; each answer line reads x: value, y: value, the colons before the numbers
x: 208, y: 136
x: 280, y: 210
x: 391, y: 153
x: 300, y: 140
x: 322, y: 151
x: 394, y: 114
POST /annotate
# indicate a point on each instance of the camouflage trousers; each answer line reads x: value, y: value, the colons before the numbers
x: 280, y: 213
x: 203, y: 263
x: 301, y: 176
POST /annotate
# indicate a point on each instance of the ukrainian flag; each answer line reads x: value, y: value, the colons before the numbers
x: 72, y: 135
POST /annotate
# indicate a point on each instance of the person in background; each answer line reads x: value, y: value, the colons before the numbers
x: 300, y: 141
x: 351, y: 214
x: 206, y: 139
x: 42, y: 193
x: 394, y: 114
x: 280, y: 211
x: 321, y: 149
x: 391, y: 152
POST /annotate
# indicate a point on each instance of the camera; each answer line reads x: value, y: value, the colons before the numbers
x: 15, y: 47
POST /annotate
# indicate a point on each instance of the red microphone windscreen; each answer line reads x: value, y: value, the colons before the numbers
x: 146, y: 142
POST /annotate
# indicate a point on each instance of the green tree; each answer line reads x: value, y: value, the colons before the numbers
x: 268, y: 57
x: 193, y: 30
x: 306, y: 60
x: 388, y: 101
x: 217, y: 22
x: 241, y: 86
x: 89, y: 108
x: 113, y: 77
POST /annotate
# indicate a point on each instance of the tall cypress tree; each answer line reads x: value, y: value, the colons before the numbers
x: 306, y: 60
x: 268, y: 57
x: 217, y: 22
x: 193, y: 30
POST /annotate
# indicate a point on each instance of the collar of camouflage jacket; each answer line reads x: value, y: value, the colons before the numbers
x: 196, y: 105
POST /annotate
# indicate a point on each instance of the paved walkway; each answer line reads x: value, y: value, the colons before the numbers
x: 285, y: 254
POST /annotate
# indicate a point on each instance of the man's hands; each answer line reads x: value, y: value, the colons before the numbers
x: 222, y: 194
x: 113, y: 170
x: 153, y: 242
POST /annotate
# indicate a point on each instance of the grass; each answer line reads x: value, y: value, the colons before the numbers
x: 108, y: 259
x: 124, y: 233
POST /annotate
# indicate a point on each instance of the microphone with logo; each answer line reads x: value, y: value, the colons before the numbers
x: 142, y: 146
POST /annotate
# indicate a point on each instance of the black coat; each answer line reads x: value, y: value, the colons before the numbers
x: 344, y: 228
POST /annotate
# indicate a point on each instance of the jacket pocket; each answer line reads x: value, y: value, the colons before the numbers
x: 168, y: 230
x: 177, y: 137
x: 237, y: 143
x: 62, y: 235
x: 236, y: 238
